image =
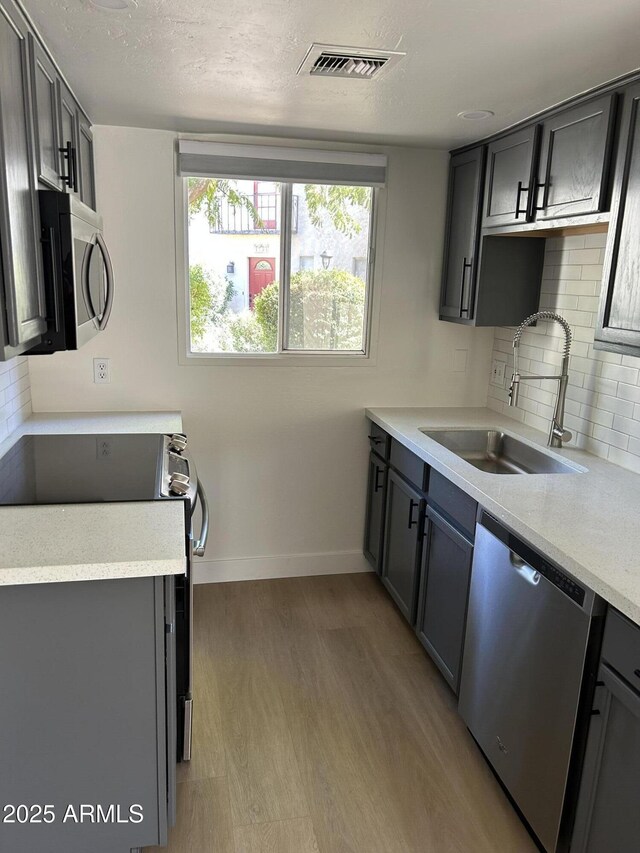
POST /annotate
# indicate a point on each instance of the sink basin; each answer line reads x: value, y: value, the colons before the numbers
x: 499, y: 453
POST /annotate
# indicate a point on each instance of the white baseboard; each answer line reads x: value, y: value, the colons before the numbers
x: 281, y: 566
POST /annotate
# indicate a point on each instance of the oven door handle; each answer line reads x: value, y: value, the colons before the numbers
x: 109, y: 276
x: 200, y: 545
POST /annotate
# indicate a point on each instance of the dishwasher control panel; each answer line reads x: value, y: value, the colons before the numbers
x: 563, y: 582
x: 532, y: 558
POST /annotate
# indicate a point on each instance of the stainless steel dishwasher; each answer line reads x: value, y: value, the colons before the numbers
x: 528, y: 674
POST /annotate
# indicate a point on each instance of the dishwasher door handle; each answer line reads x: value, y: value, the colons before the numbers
x: 524, y: 570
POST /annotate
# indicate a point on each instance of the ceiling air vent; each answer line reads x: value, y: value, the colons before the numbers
x: 330, y: 60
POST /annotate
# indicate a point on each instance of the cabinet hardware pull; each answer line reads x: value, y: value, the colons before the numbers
x: 521, y: 190
x: 375, y: 439
x: 377, y: 486
x: 412, y: 505
x: 67, y: 154
x: 541, y: 185
x: 74, y: 168
x: 466, y: 265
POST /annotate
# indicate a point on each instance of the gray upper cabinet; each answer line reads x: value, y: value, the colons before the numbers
x: 69, y: 138
x: 46, y: 117
x: 23, y: 290
x: 574, y: 160
x: 45, y: 142
x: 510, y: 173
x: 85, y: 160
x: 462, y: 233
x: 618, y: 325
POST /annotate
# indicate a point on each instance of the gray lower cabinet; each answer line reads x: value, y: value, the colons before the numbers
x: 23, y: 310
x: 375, y: 512
x: 574, y: 160
x: 618, y: 323
x: 444, y: 592
x: 402, y: 539
x: 608, y: 818
x: 84, y: 715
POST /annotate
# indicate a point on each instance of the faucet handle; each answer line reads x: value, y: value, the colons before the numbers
x: 564, y: 435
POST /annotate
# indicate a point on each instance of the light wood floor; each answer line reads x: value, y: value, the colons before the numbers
x: 321, y: 725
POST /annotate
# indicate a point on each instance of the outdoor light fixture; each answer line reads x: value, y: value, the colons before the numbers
x: 326, y: 259
x: 231, y: 267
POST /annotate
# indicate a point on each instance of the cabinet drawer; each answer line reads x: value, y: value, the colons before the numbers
x: 409, y: 465
x: 453, y: 502
x: 621, y: 646
x: 379, y: 440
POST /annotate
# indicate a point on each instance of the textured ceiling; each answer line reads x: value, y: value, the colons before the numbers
x: 229, y: 65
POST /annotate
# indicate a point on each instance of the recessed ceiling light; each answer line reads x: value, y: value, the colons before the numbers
x: 114, y: 5
x: 476, y: 115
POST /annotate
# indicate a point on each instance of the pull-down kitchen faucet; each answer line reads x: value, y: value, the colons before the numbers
x: 557, y: 433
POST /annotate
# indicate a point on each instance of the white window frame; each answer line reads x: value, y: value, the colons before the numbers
x: 326, y: 358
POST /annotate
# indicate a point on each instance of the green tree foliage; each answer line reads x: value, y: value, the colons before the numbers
x: 210, y: 296
x: 326, y: 310
x: 336, y: 202
x: 207, y: 195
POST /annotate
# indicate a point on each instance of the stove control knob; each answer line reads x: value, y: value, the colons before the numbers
x: 179, y: 484
x: 178, y: 442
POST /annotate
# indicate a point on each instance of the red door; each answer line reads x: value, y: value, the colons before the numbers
x: 262, y: 271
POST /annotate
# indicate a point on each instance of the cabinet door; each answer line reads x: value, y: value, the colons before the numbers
x: 376, y: 498
x: 619, y: 314
x: 45, y: 116
x: 574, y: 160
x: 19, y: 235
x: 85, y: 161
x: 402, y: 536
x: 462, y: 234
x: 88, y: 721
x: 444, y: 590
x: 69, y: 137
x: 509, y: 178
x: 608, y: 817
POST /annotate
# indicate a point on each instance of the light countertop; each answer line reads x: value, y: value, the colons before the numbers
x: 57, y: 543
x: 588, y: 523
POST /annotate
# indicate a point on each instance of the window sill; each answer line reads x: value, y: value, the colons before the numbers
x: 298, y: 359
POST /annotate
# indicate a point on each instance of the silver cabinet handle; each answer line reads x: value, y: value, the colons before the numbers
x: 109, y: 272
x: 200, y: 545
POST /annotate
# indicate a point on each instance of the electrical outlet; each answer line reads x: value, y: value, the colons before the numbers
x: 103, y: 448
x: 101, y: 371
x: 498, y: 372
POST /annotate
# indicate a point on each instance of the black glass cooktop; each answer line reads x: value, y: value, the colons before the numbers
x: 61, y: 469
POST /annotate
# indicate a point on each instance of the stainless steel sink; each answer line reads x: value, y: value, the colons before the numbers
x: 499, y: 453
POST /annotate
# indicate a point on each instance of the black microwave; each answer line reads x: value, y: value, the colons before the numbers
x: 78, y: 274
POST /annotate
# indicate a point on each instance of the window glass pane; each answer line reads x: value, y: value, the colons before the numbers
x: 327, y: 301
x: 234, y: 265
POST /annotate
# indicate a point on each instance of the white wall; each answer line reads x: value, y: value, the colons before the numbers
x: 281, y: 449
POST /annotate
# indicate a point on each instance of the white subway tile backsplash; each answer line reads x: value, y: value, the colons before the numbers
x: 603, y: 395
x: 595, y: 241
x: 15, y: 395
